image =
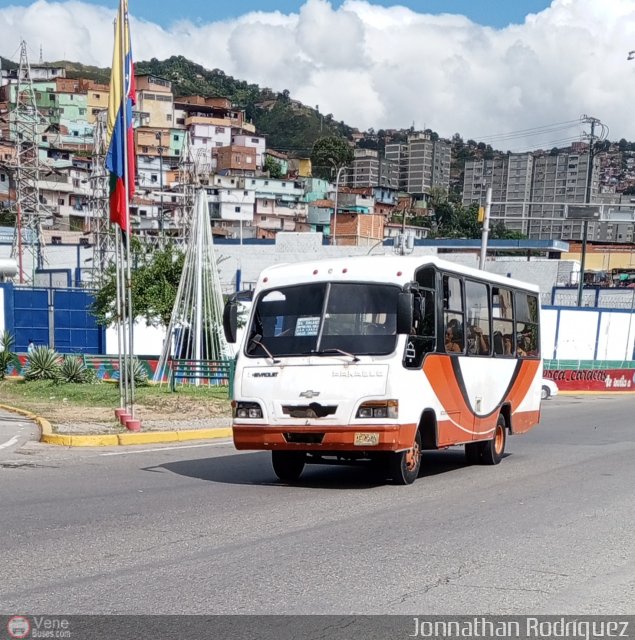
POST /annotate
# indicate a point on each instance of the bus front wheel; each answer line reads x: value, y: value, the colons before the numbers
x: 288, y: 465
x: 405, y: 465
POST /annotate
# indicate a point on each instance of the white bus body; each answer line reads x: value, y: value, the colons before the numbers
x: 329, y: 370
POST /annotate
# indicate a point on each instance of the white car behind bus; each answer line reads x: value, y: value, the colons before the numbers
x: 549, y: 388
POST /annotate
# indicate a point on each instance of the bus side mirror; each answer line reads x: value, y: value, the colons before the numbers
x: 230, y: 320
x: 404, y: 313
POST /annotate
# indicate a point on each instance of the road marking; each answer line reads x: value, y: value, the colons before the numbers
x: 185, y: 446
x: 8, y: 443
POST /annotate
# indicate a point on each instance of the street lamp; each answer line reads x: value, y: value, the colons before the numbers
x: 157, y: 136
x: 337, y: 189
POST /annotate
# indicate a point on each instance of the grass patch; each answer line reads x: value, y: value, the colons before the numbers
x: 86, y: 401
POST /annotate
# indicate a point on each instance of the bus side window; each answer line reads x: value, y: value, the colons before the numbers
x: 478, y: 314
x: 527, y: 323
x: 503, y: 322
x: 453, y: 316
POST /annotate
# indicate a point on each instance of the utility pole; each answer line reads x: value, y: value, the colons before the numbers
x: 157, y: 136
x: 485, y: 233
x: 585, y: 226
x: 337, y: 189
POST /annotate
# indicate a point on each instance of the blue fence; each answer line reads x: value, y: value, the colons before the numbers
x: 58, y: 318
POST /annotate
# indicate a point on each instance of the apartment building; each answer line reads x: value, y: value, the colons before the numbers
x: 280, y: 206
x: 37, y: 72
x: 97, y: 96
x: 483, y: 174
x: 211, y: 123
x: 231, y: 205
x: 64, y: 194
x: 320, y: 214
x: 155, y: 100
x: 422, y: 163
x: 369, y: 169
x: 535, y: 194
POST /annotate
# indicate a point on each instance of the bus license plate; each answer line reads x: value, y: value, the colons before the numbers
x: 366, y: 439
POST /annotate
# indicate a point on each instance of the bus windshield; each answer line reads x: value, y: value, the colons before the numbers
x: 324, y: 319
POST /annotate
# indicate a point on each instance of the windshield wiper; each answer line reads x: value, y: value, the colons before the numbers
x: 256, y: 340
x: 324, y: 352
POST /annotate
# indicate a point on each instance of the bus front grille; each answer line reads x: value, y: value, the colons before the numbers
x: 311, y: 411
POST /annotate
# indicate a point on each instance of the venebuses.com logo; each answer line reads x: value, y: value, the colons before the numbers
x: 18, y: 627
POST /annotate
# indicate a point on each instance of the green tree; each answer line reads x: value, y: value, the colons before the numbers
x: 500, y: 232
x: 456, y: 221
x: 155, y: 282
x: 273, y: 168
x: 328, y: 154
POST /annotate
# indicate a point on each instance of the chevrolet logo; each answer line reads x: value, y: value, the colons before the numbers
x: 309, y: 394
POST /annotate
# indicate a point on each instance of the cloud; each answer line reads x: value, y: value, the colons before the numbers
x: 385, y: 67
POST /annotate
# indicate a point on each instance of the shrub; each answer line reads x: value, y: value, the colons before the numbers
x: 74, y: 370
x: 43, y: 364
x: 7, y: 356
x: 139, y: 373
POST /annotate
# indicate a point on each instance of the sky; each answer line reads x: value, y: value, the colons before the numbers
x: 518, y: 74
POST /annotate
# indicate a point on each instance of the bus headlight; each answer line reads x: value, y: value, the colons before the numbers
x: 248, y: 410
x: 386, y: 409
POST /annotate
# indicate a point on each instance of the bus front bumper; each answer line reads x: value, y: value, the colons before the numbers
x: 359, y: 437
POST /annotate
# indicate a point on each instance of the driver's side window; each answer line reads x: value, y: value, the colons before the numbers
x: 422, y: 338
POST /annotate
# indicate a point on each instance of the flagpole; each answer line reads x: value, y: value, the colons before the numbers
x: 122, y: 398
x: 124, y: 30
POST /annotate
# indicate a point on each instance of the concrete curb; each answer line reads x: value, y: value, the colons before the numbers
x: 117, y: 439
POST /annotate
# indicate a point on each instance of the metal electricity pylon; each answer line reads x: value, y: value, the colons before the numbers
x: 26, y: 127
x: 103, y: 238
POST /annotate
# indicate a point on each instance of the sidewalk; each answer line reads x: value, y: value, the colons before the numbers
x: 107, y: 434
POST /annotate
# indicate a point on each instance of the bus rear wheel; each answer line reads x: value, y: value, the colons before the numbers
x: 404, y: 466
x: 493, y: 450
x: 288, y: 465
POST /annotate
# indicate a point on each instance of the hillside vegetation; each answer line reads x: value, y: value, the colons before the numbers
x: 288, y: 124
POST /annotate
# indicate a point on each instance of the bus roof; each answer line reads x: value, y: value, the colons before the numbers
x: 394, y: 269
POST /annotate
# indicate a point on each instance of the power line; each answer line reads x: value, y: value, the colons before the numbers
x: 520, y: 133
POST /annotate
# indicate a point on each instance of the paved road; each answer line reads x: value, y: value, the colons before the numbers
x: 202, y: 529
x: 15, y: 431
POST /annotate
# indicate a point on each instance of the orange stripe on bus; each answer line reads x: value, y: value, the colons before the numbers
x: 440, y: 373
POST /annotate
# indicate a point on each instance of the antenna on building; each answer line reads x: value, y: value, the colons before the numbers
x: 41, y: 58
x: 26, y: 127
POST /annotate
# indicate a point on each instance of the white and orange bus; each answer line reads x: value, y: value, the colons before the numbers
x: 378, y: 358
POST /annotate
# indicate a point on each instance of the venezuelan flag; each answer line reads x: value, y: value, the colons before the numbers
x: 120, y: 134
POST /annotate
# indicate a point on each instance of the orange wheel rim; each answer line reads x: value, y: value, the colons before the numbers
x: 499, y: 439
x: 412, y: 457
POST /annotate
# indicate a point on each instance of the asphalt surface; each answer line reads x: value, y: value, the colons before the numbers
x: 15, y: 431
x: 200, y: 528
